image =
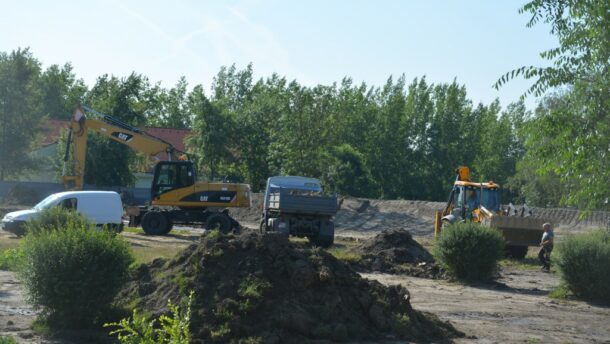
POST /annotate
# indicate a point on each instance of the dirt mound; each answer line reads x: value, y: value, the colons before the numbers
x: 262, y: 288
x: 252, y: 215
x: 365, y: 217
x: 395, y: 251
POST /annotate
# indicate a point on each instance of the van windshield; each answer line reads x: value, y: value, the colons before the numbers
x: 46, y: 203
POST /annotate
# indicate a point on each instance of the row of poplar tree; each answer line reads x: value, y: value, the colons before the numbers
x: 400, y: 140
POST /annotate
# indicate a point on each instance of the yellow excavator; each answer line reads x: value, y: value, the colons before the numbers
x: 480, y: 202
x: 176, y: 195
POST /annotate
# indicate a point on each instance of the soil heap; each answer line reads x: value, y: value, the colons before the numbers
x: 396, y: 252
x: 264, y: 289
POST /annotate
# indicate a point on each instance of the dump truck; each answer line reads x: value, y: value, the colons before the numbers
x: 480, y: 202
x: 296, y: 206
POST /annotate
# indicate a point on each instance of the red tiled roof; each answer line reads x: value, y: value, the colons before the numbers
x: 52, y: 130
x: 174, y: 136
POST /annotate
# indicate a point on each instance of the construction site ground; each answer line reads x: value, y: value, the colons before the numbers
x: 515, y: 309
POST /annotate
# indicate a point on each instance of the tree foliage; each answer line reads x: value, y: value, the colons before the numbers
x: 568, y: 139
x: 401, y: 140
x: 20, y: 112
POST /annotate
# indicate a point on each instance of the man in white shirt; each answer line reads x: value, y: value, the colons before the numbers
x: 546, y: 247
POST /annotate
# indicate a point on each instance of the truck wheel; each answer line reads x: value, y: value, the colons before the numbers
x: 517, y: 252
x: 218, y: 221
x: 155, y: 223
x: 326, y: 237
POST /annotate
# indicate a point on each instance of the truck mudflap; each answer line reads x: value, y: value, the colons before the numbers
x: 518, y: 231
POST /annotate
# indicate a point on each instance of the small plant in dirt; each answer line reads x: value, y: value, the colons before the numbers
x: 469, y: 251
x: 10, y: 259
x: 173, y: 329
x: 584, y: 262
x: 72, y: 275
x: 7, y: 340
x: 56, y: 218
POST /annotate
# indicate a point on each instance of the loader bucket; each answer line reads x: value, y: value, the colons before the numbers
x: 518, y: 231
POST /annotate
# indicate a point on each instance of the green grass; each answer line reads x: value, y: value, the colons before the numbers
x: 561, y: 292
x: 133, y: 230
x: 148, y: 254
x: 177, y: 232
x: 527, y: 263
x: 343, y: 252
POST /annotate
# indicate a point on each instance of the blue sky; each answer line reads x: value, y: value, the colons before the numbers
x: 315, y: 42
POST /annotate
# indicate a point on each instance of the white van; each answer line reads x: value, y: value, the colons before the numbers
x: 99, y: 207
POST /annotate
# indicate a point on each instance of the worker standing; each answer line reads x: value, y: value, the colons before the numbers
x: 546, y: 246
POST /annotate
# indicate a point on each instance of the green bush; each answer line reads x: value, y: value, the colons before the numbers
x: 584, y: 262
x: 73, y: 274
x: 56, y: 218
x: 469, y: 251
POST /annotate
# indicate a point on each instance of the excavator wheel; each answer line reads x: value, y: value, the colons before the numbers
x: 156, y: 223
x: 219, y: 221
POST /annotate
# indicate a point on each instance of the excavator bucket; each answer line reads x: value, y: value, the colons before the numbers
x: 518, y: 231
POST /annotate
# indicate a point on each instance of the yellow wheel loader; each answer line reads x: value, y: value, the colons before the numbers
x: 480, y: 202
x: 176, y: 195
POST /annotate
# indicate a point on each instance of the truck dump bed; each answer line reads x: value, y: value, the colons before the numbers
x: 287, y: 202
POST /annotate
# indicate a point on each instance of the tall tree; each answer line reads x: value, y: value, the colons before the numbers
x: 572, y: 141
x: 209, y: 144
x: 20, y: 112
x: 110, y: 163
x: 60, y: 91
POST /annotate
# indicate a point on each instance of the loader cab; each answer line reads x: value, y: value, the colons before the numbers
x: 171, y: 175
x: 467, y: 196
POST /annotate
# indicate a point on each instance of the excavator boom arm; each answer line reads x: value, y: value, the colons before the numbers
x: 113, y: 129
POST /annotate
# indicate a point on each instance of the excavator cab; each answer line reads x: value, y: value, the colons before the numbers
x: 171, y: 175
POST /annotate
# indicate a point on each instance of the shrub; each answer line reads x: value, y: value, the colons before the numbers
x: 56, y: 218
x: 73, y: 274
x: 584, y: 262
x: 469, y: 251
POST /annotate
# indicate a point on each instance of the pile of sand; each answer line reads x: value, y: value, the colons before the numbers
x: 395, y: 251
x: 262, y: 288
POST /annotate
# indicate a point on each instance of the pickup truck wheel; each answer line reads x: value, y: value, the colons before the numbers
x: 155, y: 223
x: 218, y: 221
